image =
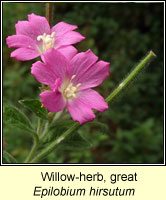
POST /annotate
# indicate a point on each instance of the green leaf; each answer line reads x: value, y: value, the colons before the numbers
x: 8, y: 158
x: 58, y: 128
x: 12, y: 116
x: 103, y: 127
x: 75, y: 142
x: 36, y: 107
x: 62, y: 124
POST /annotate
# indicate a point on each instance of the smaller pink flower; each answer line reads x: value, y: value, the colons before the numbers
x: 71, y: 82
x: 34, y: 37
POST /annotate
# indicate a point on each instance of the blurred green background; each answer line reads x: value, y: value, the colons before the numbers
x: 122, y: 34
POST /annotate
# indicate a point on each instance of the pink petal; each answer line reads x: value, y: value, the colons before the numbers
x: 43, y: 73
x: 24, y: 54
x: 68, y: 51
x: 81, y: 63
x: 95, y: 75
x: 53, y: 101
x: 20, y: 41
x: 62, y: 28
x: 40, y: 22
x: 28, y: 29
x: 56, y: 85
x: 56, y: 62
x: 79, y: 111
x: 68, y: 38
x: 93, y: 99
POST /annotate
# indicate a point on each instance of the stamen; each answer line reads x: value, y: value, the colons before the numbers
x: 78, y: 85
x: 70, y: 91
x: 74, y: 96
x: 47, y: 42
x: 52, y: 34
x: 40, y: 37
x: 73, y: 77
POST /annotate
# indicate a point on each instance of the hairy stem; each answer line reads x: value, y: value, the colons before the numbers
x: 44, y: 134
x: 33, y: 150
x: 48, y: 124
x: 121, y: 86
x: 39, y: 126
x: 131, y: 76
x: 51, y: 147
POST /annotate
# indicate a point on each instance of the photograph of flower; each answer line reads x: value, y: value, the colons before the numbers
x: 83, y: 83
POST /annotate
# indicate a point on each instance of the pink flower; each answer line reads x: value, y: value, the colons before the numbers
x: 71, y: 82
x: 34, y: 37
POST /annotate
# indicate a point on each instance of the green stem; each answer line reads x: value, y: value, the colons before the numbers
x: 51, y: 147
x: 57, y: 116
x: 35, y: 141
x: 33, y: 150
x: 48, y: 124
x: 124, y: 83
x: 39, y: 126
x: 44, y: 134
x: 131, y: 76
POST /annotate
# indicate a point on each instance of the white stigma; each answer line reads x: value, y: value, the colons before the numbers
x: 70, y: 91
x: 47, y: 41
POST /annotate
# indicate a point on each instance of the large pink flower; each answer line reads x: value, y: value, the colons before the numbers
x: 71, y: 82
x: 34, y: 37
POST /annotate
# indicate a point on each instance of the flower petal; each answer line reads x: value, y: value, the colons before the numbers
x: 61, y: 28
x: 57, y: 62
x: 40, y: 22
x: 93, y: 99
x: 68, y: 51
x: 43, y: 73
x: 28, y: 29
x: 20, y: 41
x: 95, y: 75
x: 68, y: 38
x: 80, y: 112
x: 53, y: 101
x: 81, y: 63
x: 24, y: 54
